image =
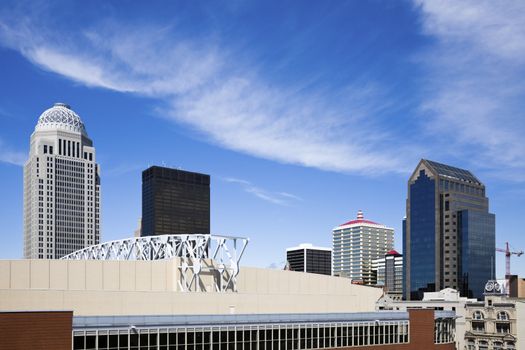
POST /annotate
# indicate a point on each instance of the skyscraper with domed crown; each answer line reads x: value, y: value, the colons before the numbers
x: 61, y: 187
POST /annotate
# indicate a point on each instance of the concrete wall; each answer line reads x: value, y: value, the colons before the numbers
x: 93, y: 287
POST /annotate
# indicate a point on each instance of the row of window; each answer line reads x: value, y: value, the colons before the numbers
x: 262, y: 337
x: 496, y: 345
x: 479, y: 315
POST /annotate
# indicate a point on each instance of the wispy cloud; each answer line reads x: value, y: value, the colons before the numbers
x: 277, y: 265
x: 475, y: 93
x: 122, y: 169
x: 205, y: 86
x: 10, y: 156
x: 471, y: 104
x: 4, y: 113
x: 279, y: 198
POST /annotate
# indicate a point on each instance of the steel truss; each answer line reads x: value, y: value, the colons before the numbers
x: 200, y: 256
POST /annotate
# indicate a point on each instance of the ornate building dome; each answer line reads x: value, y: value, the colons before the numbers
x: 60, y: 116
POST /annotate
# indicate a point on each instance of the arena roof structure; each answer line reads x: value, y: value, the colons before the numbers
x: 225, y: 252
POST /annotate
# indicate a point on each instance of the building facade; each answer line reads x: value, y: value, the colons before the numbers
x: 444, y: 300
x: 448, y: 233
x: 496, y: 323
x: 142, y: 304
x: 388, y: 272
x: 175, y: 202
x: 412, y: 330
x: 61, y: 187
x: 356, y: 244
x: 307, y: 258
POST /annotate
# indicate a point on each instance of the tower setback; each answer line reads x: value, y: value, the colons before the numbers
x: 448, y: 234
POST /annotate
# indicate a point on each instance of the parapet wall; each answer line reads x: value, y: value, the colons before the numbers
x: 91, y: 287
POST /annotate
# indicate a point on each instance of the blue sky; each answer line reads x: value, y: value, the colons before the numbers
x: 302, y: 113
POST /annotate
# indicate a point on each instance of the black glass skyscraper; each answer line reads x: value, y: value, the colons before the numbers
x: 307, y: 258
x: 175, y: 202
x: 448, y: 234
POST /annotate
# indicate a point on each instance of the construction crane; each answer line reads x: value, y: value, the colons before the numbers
x: 508, y: 253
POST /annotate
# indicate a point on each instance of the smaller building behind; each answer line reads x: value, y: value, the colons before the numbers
x: 388, y: 272
x: 308, y: 258
x: 175, y: 202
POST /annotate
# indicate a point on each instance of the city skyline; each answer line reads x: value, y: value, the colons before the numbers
x: 267, y: 127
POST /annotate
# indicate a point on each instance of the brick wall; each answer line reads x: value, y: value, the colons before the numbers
x: 36, y: 330
x: 421, y: 334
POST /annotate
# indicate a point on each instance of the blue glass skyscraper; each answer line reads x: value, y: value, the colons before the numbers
x: 448, y: 233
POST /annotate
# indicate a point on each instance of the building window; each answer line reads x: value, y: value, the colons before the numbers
x: 478, y: 326
x: 498, y: 345
x: 503, y: 316
x: 502, y: 328
x: 471, y: 345
x: 478, y: 315
x: 45, y: 148
x: 483, y: 345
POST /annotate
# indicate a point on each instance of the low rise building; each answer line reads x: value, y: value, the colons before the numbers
x: 496, y: 323
x: 445, y: 300
x: 188, y: 293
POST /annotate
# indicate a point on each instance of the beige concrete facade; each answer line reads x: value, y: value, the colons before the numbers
x: 498, y: 322
x: 91, y: 287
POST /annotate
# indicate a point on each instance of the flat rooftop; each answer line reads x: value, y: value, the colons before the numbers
x: 88, y: 322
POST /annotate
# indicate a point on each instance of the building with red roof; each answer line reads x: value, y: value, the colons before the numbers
x: 356, y: 244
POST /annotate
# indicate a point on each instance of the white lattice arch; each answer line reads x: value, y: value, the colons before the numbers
x: 193, y: 250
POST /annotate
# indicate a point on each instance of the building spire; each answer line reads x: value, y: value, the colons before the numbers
x: 360, y: 215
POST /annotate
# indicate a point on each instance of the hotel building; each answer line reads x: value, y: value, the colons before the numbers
x: 356, y: 244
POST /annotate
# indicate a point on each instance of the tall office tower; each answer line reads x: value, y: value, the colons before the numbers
x: 358, y: 242
x: 175, y: 202
x: 389, y: 272
x: 307, y: 258
x: 448, y: 234
x: 61, y: 187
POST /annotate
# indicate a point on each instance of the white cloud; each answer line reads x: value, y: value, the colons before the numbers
x: 471, y: 97
x: 204, y: 87
x: 497, y: 28
x: 7, y: 155
x: 279, y: 198
x: 474, y: 94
